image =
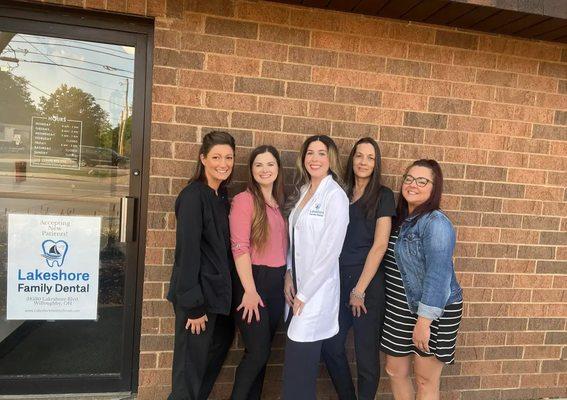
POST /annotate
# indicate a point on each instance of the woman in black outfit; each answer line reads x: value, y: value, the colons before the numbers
x: 362, y: 282
x: 200, y: 287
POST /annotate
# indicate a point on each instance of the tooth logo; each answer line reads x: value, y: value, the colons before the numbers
x: 54, y: 252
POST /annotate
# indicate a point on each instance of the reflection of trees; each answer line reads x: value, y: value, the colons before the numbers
x: 76, y: 104
x: 110, y: 138
x: 16, y: 104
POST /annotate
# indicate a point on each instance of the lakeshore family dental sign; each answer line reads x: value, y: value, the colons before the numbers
x: 53, y: 266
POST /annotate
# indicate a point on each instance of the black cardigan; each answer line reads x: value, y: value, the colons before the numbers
x: 201, y: 276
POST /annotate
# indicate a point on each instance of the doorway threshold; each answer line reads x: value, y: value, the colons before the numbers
x: 73, y: 396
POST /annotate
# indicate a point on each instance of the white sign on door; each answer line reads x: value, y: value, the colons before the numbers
x: 53, y: 264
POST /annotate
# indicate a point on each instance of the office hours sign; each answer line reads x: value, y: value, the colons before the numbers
x: 53, y: 266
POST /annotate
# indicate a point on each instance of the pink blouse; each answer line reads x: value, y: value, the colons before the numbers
x: 241, y: 214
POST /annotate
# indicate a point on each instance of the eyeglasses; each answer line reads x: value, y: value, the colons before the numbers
x: 419, y: 181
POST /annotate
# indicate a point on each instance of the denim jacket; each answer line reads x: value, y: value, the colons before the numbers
x: 424, y: 252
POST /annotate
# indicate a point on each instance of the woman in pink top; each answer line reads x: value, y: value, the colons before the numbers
x: 258, y: 236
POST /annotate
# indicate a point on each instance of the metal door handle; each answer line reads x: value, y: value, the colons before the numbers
x: 127, y: 211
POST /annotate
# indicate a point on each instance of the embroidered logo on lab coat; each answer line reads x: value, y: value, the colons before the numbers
x: 316, y: 211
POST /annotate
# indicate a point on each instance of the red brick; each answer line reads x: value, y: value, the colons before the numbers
x: 385, y: 82
x: 507, y: 159
x: 538, y: 380
x: 516, y: 266
x: 262, y: 50
x: 286, y: 71
x: 481, y: 368
x: 500, y: 381
x: 408, y: 68
x: 533, y: 114
x: 532, y: 82
x: 446, y: 138
x: 452, y: 73
x: 206, y: 80
x: 215, y: 7
x: 517, y: 64
x: 520, y: 366
x: 487, y: 141
x: 433, y: 54
x: 428, y: 87
x: 474, y: 59
x: 515, y: 236
x: 227, y: 27
x: 263, y: 86
x: 542, y: 192
x: 230, y: 101
x: 162, y: 113
x: 362, y: 62
x: 466, y: 234
x: 207, y: 43
x: 526, y: 176
x: 332, y: 111
x: 331, y: 76
x: 176, y: 96
x: 282, y: 106
x: 379, y: 116
x: 284, y: 34
x: 256, y: 121
x: 304, y: 55
x: 233, y: 65
x: 473, y: 91
x: 468, y: 124
x: 262, y: 12
x: 412, y: 33
x: 306, y: 126
x: 404, y: 101
x: 310, y: 92
x: 469, y: 156
x: 200, y: 116
x: 493, y: 110
x: 383, y: 47
x: 511, y: 128
x: 512, y: 295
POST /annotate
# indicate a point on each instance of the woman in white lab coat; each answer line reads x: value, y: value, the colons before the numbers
x: 317, y: 226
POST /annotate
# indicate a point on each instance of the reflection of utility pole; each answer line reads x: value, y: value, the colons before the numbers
x: 124, y: 118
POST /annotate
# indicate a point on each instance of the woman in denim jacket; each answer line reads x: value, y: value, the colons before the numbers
x: 423, y: 297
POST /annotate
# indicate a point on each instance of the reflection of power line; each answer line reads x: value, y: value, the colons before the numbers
x: 74, y: 47
x: 69, y: 72
x: 107, y: 67
x: 72, y: 66
x: 102, y: 46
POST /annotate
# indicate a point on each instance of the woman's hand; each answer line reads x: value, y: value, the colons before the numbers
x: 197, y: 325
x: 289, y: 290
x: 421, y: 333
x: 250, y: 303
x: 297, y: 307
x: 357, y: 305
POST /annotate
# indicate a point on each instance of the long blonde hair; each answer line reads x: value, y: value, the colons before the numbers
x: 260, y: 227
x: 302, y: 177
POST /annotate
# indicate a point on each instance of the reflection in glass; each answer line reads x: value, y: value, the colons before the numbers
x: 65, y: 142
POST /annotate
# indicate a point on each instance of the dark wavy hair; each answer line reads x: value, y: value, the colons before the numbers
x: 210, y: 140
x: 434, y: 201
x: 260, y: 228
x: 369, y: 201
x: 302, y: 177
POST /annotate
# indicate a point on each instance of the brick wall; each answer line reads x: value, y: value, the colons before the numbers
x: 491, y: 109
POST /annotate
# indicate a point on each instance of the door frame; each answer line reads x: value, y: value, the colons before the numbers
x: 78, y: 24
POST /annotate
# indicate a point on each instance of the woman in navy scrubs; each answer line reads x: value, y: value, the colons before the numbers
x: 362, y: 281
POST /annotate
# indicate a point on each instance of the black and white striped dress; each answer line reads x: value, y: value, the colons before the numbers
x: 400, y: 321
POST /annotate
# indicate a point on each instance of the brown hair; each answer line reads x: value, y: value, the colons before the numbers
x: 260, y: 227
x: 210, y: 140
x: 434, y: 201
x: 302, y: 177
x: 370, y: 199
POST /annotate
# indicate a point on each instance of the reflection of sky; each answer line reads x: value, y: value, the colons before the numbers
x: 96, y: 68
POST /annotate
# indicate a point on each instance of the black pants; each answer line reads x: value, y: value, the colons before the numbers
x: 301, y: 367
x: 367, y: 331
x: 197, y: 359
x: 257, y: 336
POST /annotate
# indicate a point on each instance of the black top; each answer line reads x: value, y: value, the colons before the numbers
x: 360, y: 232
x: 200, y: 280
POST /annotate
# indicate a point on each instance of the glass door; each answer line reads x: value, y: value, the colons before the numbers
x: 71, y: 136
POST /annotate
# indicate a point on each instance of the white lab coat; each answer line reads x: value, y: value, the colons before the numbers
x: 318, y: 234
